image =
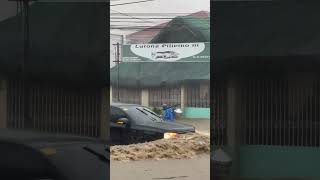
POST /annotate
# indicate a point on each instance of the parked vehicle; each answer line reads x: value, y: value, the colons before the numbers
x: 131, y: 123
x: 37, y: 156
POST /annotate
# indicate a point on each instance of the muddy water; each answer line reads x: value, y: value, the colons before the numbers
x: 185, y: 146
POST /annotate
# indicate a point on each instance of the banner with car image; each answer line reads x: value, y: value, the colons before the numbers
x: 168, y: 52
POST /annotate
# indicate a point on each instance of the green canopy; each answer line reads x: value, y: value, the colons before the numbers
x: 67, y: 43
x: 151, y: 74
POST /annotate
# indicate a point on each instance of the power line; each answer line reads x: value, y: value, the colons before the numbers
x: 138, y: 28
x: 136, y: 2
x: 160, y: 18
x: 116, y: 21
x: 159, y: 21
x: 148, y: 27
x: 127, y: 21
x: 160, y: 24
x: 203, y: 25
x: 130, y: 16
x: 149, y: 18
x: 156, y: 14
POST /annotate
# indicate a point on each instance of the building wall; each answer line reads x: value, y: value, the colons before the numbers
x: 170, y: 95
x: 127, y: 95
x: 197, y: 100
x: 192, y: 98
x: 197, y: 113
x: 198, y: 95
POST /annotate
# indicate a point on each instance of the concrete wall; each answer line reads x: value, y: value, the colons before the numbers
x: 201, y: 113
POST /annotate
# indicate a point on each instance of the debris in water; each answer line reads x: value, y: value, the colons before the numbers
x: 184, y: 146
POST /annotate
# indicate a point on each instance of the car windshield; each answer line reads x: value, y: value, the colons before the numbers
x: 150, y: 114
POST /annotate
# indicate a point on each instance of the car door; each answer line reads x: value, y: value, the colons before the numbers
x: 118, y: 132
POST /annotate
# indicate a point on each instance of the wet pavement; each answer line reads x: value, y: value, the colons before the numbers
x: 186, y: 169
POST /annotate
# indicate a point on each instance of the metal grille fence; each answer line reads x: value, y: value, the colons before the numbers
x: 55, y: 109
x: 127, y: 95
x: 198, y: 95
x: 164, y: 95
x: 219, y: 125
x: 275, y: 112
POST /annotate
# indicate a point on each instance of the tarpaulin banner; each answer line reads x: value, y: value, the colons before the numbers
x: 168, y: 52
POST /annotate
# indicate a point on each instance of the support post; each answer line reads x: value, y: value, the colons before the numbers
x: 183, y: 97
x: 110, y: 94
x: 145, y: 97
x: 233, y: 124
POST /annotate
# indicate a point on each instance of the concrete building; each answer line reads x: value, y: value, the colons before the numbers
x: 183, y: 83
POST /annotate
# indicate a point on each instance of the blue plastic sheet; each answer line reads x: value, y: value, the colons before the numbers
x: 169, y: 114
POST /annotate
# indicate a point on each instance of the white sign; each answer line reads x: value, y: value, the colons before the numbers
x: 167, y: 52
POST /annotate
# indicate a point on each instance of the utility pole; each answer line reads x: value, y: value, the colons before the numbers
x: 118, y: 68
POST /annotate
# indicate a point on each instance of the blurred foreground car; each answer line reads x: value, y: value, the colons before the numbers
x: 131, y: 123
x: 37, y: 156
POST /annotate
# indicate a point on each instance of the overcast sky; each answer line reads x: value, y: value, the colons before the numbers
x: 8, y: 8
x: 162, y: 6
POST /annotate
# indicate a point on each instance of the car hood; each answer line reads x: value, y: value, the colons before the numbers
x: 74, y: 157
x: 165, y: 126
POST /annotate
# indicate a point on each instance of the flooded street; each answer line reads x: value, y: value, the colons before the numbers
x: 190, y: 160
x: 184, y: 146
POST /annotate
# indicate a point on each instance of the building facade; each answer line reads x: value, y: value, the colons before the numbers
x: 193, y: 98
